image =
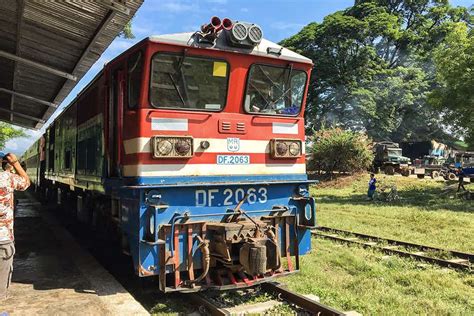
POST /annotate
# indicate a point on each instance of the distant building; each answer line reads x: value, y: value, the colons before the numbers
x: 416, y: 150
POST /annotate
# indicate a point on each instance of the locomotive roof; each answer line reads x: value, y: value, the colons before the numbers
x: 191, y: 40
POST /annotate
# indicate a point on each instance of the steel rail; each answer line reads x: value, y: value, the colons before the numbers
x: 323, y: 233
x: 211, y: 308
x: 463, y: 255
x: 299, y: 300
x: 278, y: 289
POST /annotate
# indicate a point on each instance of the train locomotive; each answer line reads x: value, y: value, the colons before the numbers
x: 191, y: 146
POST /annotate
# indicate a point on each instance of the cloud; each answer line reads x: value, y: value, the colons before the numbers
x: 218, y: 10
x: 119, y: 45
x: 175, y: 6
x: 217, y: 1
x: 190, y: 28
x: 19, y: 145
x: 12, y: 146
x: 142, y: 30
x: 282, y: 26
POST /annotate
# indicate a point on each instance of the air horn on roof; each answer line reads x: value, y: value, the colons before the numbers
x: 227, y: 24
x: 214, y: 26
x: 239, y: 34
x: 209, y: 31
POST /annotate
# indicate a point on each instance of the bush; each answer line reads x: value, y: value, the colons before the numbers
x: 339, y: 150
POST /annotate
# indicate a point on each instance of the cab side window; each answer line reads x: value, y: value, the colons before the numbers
x: 135, y: 68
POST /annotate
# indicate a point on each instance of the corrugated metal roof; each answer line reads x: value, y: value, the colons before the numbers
x: 47, y: 46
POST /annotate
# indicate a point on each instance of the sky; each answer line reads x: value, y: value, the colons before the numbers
x: 279, y: 19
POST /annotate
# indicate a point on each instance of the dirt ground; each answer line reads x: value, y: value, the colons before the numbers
x: 49, y: 276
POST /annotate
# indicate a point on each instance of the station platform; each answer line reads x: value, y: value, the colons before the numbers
x: 53, y: 275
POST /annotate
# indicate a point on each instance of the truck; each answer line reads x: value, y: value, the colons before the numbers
x: 430, y: 165
x: 462, y: 160
x: 389, y: 159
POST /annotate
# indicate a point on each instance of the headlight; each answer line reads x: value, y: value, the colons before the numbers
x: 285, y: 148
x: 281, y: 148
x: 172, y: 146
x: 183, y: 146
x: 295, y: 149
x: 164, y: 147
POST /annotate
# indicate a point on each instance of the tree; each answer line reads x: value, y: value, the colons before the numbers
x: 339, y: 150
x: 391, y: 104
x: 454, y: 95
x: 127, y: 31
x: 8, y: 132
x: 374, y: 40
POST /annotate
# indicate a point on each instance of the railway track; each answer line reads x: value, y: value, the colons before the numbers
x: 312, y: 307
x: 446, y: 258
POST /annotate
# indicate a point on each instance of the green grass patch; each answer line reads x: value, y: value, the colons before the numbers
x: 423, y: 214
x: 349, y: 277
x: 367, y: 281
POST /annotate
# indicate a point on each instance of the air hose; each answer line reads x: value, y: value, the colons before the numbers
x: 206, y: 253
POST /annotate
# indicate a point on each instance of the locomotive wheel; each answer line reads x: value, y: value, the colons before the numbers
x: 451, y: 176
x: 390, y: 170
x: 405, y: 172
x: 435, y: 174
x: 420, y: 176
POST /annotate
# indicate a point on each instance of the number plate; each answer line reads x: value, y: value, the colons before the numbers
x: 230, y: 196
x: 233, y: 159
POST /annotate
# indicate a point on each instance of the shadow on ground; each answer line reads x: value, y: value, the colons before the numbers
x: 428, y: 199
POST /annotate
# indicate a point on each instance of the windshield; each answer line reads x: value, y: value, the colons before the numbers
x: 395, y: 152
x: 274, y: 90
x: 191, y: 83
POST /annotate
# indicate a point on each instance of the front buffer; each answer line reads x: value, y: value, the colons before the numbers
x: 220, y: 236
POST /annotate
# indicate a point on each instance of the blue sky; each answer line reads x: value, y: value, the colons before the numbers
x: 278, y: 19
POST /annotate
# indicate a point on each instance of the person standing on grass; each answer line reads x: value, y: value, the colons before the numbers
x: 9, y: 182
x: 461, y: 180
x: 372, y: 187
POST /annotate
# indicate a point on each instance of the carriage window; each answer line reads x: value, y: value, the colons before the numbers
x: 191, y: 83
x: 67, y: 159
x: 274, y: 90
x: 135, y: 66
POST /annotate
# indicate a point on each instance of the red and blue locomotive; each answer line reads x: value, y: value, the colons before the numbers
x: 191, y: 144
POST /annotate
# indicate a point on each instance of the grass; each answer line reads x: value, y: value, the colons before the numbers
x: 353, y: 278
x: 422, y: 215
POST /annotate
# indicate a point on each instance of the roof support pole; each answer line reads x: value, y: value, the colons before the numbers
x: 23, y: 115
x: 38, y: 65
x: 116, y: 6
x: 18, y: 94
x: 20, y: 6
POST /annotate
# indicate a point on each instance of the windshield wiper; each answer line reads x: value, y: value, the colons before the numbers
x: 176, y: 89
x: 284, y: 94
x: 273, y: 83
x: 181, y: 78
